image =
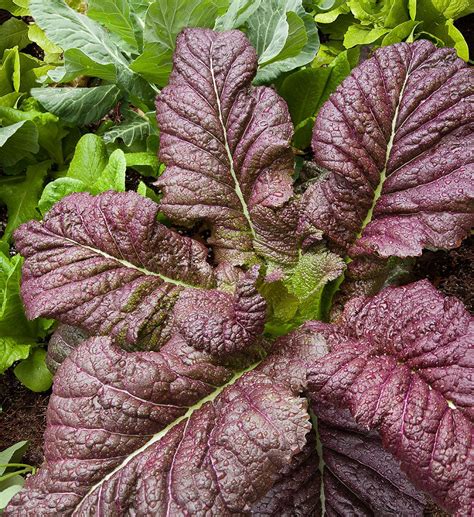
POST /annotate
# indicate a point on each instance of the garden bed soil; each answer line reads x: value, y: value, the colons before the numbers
x: 23, y: 417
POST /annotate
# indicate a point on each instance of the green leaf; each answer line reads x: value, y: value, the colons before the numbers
x: 302, y: 133
x: 7, y: 494
x: 70, y: 29
x: 142, y: 159
x: 13, y: 33
x: 399, y: 33
x: 10, y: 72
x: 237, y: 14
x: 450, y: 9
x: 113, y: 176
x: 76, y: 63
x: 458, y: 41
x: 79, y: 106
x: 21, y: 197
x: 52, y: 52
x: 134, y: 127
x: 90, y: 171
x: 306, y: 90
x: 145, y: 191
x: 295, y: 41
x: 14, y: 8
x: 284, y: 35
x: 397, y: 14
x: 115, y: 15
x: 57, y: 189
x: 33, y: 372
x: 333, y: 14
x: 297, y: 297
x: 89, y: 160
x: 12, y: 454
x: 165, y: 19
x: 360, y: 35
x: 17, y: 141
x: 50, y: 129
x: 13, y: 322
x: 11, y: 350
x: 9, y: 100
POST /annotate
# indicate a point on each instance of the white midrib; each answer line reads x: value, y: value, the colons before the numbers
x: 129, y: 265
x: 237, y: 188
x: 158, y: 436
x: 383, y: 174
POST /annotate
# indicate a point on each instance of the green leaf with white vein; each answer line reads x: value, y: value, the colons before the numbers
x: 165, y: 19
x: 134, y: 128
x: 70, y: 29
x: 78, y: 106
x: 116, y: 16
x: 284, y: 36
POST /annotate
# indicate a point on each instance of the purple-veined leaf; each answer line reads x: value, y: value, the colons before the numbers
x: 162, y: 433
x: 359, y: 477
x: 397, y: 139
x: 403, y: 362
x: 226, y: 148
x: 106, y: 265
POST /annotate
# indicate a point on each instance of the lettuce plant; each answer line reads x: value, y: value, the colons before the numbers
x: 183, y: 402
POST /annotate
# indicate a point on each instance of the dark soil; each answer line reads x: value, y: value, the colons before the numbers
x: 23, y: 417
x: 452, y: 272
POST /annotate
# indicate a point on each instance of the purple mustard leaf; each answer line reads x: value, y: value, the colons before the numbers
x: 106, y: 265
x: 397, y: 138
x: 219, y: 322
x: 226, y: 148
x: 402, y: 362
x: 162, y: 433
x: 359, y: 476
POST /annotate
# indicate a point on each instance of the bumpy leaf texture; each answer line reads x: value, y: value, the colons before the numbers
x: 403, y: 362
x: 106, y: 265
x: 176, y: 432
x: 226, y: 148
x: 397, y: 139
x: 120, y: 438
x: 358, y: 476
x: 63, y: 341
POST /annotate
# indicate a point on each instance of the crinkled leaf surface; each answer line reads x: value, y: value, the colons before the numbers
x: 121, y: 439
x: 358, y: 476
x: 63, y: 341
x: 402, y: 362
x: 106, y: 265
x: 396, y: 138
x: 226, y: 148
